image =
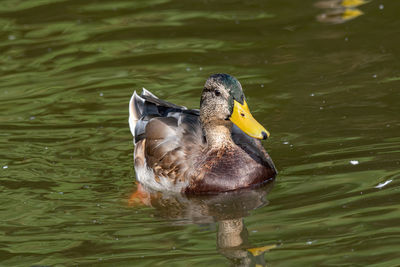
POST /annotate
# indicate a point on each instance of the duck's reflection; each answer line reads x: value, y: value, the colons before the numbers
x: 227, y: 209
x: 339, y: 11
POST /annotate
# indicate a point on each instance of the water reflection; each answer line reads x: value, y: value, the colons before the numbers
x: 226, y: 209
x: 339, y: 11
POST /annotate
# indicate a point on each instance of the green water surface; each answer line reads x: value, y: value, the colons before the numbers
x: 322, y: 76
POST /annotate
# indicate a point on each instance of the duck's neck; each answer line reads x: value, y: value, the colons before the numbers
x: 218, y: 136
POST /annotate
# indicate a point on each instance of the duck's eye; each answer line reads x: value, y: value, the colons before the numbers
x: 217, y: 92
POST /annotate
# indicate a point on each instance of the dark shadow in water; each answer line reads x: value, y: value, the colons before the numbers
x: 226, y: 209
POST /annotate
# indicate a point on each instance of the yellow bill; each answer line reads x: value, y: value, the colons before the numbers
x: 258, y: 251
x: 243, y: 119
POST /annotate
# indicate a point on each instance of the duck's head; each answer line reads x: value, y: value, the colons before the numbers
x: 223, y: 100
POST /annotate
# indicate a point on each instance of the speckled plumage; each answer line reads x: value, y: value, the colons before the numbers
x: 194, y: 151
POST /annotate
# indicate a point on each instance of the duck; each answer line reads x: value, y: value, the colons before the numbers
x: 214, y: 149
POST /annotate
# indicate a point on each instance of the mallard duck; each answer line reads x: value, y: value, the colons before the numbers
x: 214, y: 149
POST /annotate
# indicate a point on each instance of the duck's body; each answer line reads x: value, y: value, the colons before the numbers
x: 196, y: 151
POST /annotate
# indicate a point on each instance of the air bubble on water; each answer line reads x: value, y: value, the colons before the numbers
x: 200, y: 68
x: 286, y: 142
x: 5, y: 167
x: 321, y: 108
x: 32, y: 118
x: 101, y: 94
x: 262, y: 85
x: 354, y: 162
x: 381, y: 6
x: 187, y: 69
x: 312, y: 94
x: 11, y: 37
x: 374, y: 76
x: 346, y: 39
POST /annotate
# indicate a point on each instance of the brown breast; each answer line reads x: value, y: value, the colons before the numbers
x: 228, y: 169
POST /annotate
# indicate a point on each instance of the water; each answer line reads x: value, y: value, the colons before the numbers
x: 322, y: 78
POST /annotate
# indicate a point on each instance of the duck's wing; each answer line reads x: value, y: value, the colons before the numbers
x: 253, y: 147
x: 171, y: 143
x: 167, y: 137
x: 147, y: 106
x: 144, y: 105
x: 149, y: 97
